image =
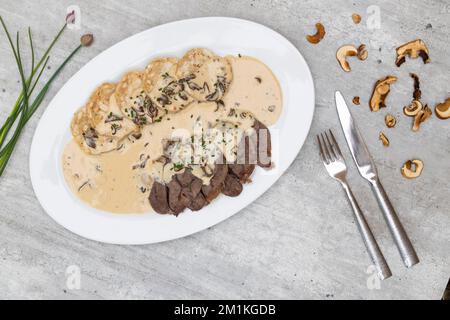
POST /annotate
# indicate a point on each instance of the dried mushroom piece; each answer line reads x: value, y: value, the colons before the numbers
x: 356, y: 18
x: 420, y: 117
x: 342, y: 53
x: 416, y: 108
x: 443, y: 109
x: 390, y: 120
x: 384, y: 139
x: 380, y: 91
x: 362, y: 52
x: 417, y: 94
x: 318, y: 36
x: 413, y: 49
x: 412, y: 169
x: 413, y: 109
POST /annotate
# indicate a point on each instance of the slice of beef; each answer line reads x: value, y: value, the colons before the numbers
x: 215, y: 186
x: 198, y: 202
x: 178, y: 198
x: 190, y: 183
x: 264, y: 144
x: 185, y: 178
x: 242, y: 171
x: 232, y: 187
x: 244, y: 165
x: 191, y: 189
x: 159, y: 198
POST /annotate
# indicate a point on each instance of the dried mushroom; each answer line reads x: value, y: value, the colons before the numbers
x: 342, y: 53
x: 417, y: 94
x: 416, y: 108
x: 380, y: 91
x: 413, y: 49
x: 443, y: 109
x: 412, y: 169
x: 320, y: 33
x: 362, y: 52
x: 384, y: 139
x: 413, y: 109
x: 390, y: 121
x: 356, y: 18
x: 420, y: 117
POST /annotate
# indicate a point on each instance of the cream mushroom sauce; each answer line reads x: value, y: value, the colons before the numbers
x: 119, y: 181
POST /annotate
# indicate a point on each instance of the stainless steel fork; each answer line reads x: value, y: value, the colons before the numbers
x: 335, y: 165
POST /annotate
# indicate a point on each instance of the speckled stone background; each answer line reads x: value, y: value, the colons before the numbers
x: 299, y: 239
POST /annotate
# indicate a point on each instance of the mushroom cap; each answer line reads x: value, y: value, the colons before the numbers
x: 342, y: 53
x: 390, y: 120
x: 413, y: 109
x: 413, y: 49
x: 420, y: 117
x: 380, y: 91
x: 318, y: 36
x: 407, y: 170
x: 443, y: 109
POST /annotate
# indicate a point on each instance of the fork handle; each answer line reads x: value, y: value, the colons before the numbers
x: 404, y: 245
x: 369, y: 240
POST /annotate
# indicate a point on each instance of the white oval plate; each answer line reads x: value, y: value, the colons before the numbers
x: 223, y: 36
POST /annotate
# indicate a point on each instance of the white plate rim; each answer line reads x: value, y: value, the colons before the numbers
x: 187, y: 223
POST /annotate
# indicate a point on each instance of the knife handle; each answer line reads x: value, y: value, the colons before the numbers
x: 401, y: 239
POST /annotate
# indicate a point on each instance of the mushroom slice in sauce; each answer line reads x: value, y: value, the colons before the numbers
x: 206, y: 75
x: 163, y: 87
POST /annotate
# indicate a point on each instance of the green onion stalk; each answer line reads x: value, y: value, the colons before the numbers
x: 26, y: 104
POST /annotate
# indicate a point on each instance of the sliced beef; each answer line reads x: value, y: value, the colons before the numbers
x: 242, y: 171
x: 244, y: 165
x: 215, y: 186
x: 185, y: 178
x: 185, y: 190
x: 198, y: 202
x: 159, y: 198
x: 232, y: 187
x: 191, y: 189
x: 190, y: 183
x: 264, y: 144
x: 178, y: 200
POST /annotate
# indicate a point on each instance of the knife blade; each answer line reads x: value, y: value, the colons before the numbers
x: 367, y: 169
x: 355, y: 141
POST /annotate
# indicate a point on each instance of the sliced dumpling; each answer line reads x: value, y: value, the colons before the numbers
x: 133, y: 101
x: 205, y: 75
x: 162, y: 86
x: 89, y: 140
x: 105, y: 115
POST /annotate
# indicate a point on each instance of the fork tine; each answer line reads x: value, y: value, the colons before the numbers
x: 324, y: 159
x: 325, y: 147
x: 336, y: 144
x: 330, y: 145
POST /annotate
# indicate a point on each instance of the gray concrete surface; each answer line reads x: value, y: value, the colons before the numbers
x: 298, y: 240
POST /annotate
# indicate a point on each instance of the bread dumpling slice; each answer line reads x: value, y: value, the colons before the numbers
x: 87, y: 137
x: 105, y: 115
x: 163, y: 87
x: 133, y: 101
x: 206, y: 75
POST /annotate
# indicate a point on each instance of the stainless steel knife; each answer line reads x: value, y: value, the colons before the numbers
x: 368, y: 171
